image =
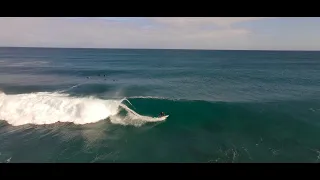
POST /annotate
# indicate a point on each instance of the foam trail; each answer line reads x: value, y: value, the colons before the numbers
x: 128, y: 102
x: 133, y: 118
x: 153, y: 97
x: 146, y: 97
x: 48, y: 108
x: 141, y: 117
x: 70, y: 88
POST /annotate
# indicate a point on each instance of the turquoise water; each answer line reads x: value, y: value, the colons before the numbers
x: 223, y: 106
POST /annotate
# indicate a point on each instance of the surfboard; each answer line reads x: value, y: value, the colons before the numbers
x: 163, y: 117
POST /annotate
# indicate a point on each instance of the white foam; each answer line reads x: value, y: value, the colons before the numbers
x: 146, y: 97
x: 48, y: 108
x: 28, y: 64
x: 133, y: 118
x: 153, y: 97
x: 70, y: 88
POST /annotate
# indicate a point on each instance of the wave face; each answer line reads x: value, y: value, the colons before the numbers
x: 48, y: 108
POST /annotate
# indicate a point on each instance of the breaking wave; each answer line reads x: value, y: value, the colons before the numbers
x: 48, y: 108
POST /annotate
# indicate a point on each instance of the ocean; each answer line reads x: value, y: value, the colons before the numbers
x: 102, y: 105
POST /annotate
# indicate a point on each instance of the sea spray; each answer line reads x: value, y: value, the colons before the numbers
x: 48, y: 108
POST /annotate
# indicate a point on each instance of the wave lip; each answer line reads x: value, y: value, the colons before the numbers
x: 153, y: 97
x: 48, y: 108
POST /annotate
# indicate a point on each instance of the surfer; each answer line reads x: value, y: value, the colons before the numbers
x: 161, y: 114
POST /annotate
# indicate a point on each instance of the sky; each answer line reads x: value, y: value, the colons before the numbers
x: 231, y: 33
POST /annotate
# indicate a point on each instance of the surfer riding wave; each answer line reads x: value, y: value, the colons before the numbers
x: 48, y: 108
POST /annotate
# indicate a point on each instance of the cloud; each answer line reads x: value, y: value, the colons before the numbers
x: 178, y: 33
x: 200, y: 21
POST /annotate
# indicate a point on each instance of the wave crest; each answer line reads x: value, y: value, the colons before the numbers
x: 48, y: 108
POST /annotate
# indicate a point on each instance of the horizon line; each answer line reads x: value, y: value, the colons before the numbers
x: 157, y: 49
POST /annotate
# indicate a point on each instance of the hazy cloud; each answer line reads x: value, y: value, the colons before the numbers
x: 202, y: 21
x: 177, y: 32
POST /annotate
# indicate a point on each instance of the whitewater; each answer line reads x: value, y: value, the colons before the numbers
x: 47, y: 108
